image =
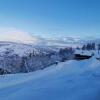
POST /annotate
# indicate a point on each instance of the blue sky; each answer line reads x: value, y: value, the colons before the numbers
x: 52, y: 17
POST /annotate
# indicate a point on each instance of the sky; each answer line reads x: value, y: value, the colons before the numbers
x: 51, y: 18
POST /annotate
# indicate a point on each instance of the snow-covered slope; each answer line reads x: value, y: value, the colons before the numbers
x: 18, y: 57
x: 71, y: 80
x: 22, y: 49
x: 16, y: 48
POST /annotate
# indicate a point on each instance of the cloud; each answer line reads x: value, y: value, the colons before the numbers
x: 14, y: 35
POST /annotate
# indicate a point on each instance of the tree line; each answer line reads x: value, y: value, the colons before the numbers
x: 90, y: 46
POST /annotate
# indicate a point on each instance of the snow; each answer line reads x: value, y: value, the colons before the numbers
x: 71, y: 80
x: 17, y: 48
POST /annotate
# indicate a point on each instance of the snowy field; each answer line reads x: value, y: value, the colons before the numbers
x: 71, y: 80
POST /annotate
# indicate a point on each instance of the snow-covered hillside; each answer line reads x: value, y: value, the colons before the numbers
x: 18, y: 57
x: 71, y: 80
x: 16, y: 48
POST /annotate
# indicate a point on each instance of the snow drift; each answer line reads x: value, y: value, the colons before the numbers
x: 72, y: 80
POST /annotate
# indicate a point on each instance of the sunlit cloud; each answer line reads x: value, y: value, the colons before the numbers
x: 15, y: 35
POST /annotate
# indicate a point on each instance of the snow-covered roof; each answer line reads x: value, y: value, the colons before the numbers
x: 86, y: 52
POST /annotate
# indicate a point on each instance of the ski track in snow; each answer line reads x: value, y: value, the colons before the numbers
x: 71, y: 80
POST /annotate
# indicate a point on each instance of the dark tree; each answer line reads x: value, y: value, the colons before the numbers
x: 98, y: 48
x: 84, y: 47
